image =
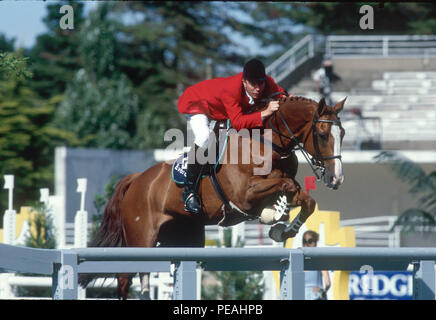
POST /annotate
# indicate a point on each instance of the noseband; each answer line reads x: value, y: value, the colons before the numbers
x: 318, y: 156
x: 318, y: 159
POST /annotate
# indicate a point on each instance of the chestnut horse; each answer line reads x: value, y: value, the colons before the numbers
x: 146, y: 209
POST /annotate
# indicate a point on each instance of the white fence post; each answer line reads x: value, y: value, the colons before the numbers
x: 6, y: 291
x: 55, y: 203
x: 9, y: 218
x: 81, y: 218
x: 81, y: 226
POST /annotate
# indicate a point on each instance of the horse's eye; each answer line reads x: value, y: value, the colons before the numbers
x: 323, y: 135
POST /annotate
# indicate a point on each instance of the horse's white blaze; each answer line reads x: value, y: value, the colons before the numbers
x: 338, y: 175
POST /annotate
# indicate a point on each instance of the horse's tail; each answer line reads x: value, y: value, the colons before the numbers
x: 110, y: 233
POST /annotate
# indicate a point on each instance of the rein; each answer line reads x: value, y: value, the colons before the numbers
x: 318, y: 160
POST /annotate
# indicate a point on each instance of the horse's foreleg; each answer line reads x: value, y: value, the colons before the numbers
x: 307, y: 208
x: 145, y: 286
x: 264, y: 192
x: 260, y: 189
x: 124, y: 283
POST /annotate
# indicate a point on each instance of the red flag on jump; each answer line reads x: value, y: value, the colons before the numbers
x: 309, y: 183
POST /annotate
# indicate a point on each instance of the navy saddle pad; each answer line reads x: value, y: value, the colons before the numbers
x: 178, y: 171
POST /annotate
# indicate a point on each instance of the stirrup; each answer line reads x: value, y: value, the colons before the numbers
x: 193, y: 210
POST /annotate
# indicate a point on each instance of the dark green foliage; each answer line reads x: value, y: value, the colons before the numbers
x: 99, y: 107
x: 6, y: 45
x: 343, y: 18
x: 12, y: 65
x: 55, y: 57
x: 100, y: 202
x: 99, y: 114
x: 27, y: 140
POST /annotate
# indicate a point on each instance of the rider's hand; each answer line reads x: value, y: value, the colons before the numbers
x: 273, y: 106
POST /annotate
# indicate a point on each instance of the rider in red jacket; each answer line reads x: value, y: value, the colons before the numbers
x: 221, y: 99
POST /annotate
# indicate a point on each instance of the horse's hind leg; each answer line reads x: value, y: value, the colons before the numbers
x: 139, y: 236
x: 124, y: 283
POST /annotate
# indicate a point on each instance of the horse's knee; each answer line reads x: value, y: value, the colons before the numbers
x: 311, y: 205
x: 288, y: 185
x: 308, y: 207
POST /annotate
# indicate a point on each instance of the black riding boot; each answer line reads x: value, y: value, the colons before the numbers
x: 190, y: 196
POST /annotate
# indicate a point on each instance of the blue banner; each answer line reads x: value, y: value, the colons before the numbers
x: 381, y: 285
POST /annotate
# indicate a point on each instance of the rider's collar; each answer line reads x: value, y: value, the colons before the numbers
x: 250, y: 99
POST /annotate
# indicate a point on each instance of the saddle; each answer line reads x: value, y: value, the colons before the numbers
x: 232, y: 214
x: 220, y: 132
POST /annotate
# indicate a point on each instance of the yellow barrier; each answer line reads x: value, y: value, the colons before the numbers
x: 25, y: 215
x: 327, y: 225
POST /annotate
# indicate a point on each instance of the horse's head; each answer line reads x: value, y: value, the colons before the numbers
x: 326, y: 142
x: 318, y: 127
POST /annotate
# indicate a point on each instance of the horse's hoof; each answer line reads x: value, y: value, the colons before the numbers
x: 145, y: 296
x: 276, y: 232
x: 289, y: 232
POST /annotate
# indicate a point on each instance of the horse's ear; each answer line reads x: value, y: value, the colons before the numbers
x: 339, y: 106
x: 321, y: 106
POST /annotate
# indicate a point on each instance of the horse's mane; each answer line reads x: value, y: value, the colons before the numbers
x: 304, y: 102
x: 296, y: 103
x: 299, y: 99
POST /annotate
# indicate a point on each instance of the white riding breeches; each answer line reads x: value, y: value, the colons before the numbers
x: 200, y: 128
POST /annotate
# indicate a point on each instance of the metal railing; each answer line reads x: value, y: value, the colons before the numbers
x: 374, y: 231
x: 381, y: 46
x: 65, y: 265
x: 302, y: 51
x: 351, y: 46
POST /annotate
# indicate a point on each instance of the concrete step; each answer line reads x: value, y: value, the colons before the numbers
x: 372, y: 99
x: 409, y: 75
x: 403, y: 114
x: 403, y: 83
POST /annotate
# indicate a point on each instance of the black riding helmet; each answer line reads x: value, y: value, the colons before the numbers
x: 254, y: 71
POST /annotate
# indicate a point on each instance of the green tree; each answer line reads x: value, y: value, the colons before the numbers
x: 44, y: 236
x: 27, y: 140
x: 55, y: 57
x: 99, y: 114
x: 99, y: 106
x: 422, y: 187
x: 171, y: 45
x: 6, y: 45
x: 233, y: 285
x: 12, y: 64
x: 343, y: 18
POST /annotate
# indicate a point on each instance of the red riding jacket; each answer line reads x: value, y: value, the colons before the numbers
x: 224, y: 98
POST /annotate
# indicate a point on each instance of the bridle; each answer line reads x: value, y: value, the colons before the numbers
x: 317, y: 162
